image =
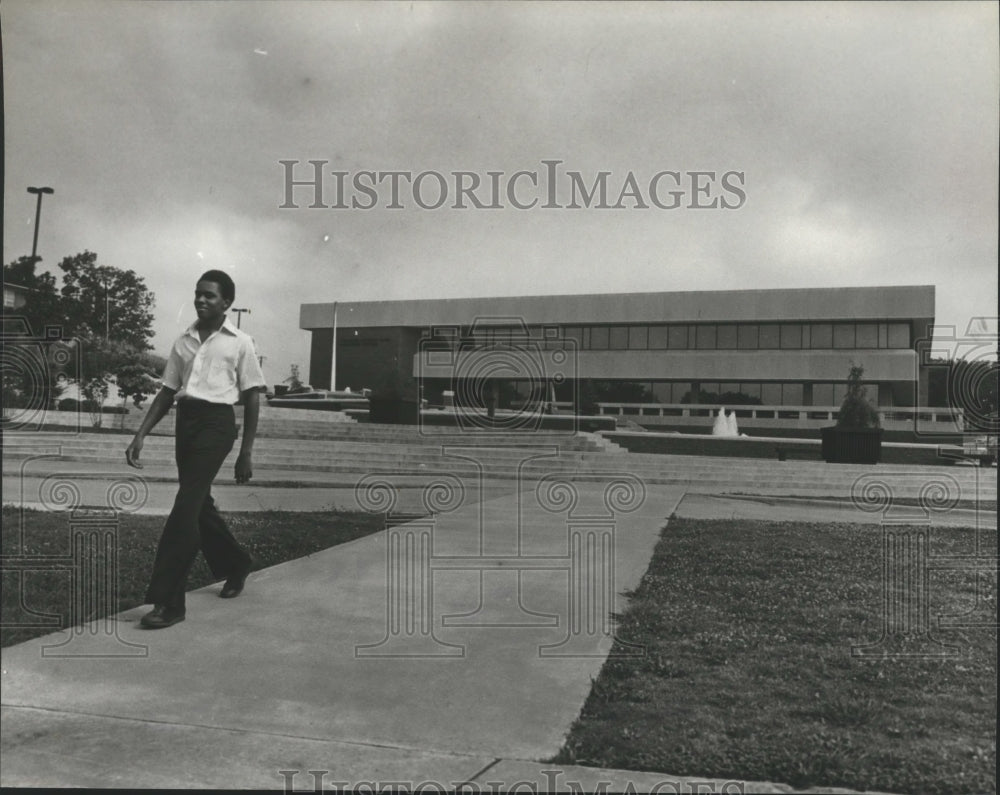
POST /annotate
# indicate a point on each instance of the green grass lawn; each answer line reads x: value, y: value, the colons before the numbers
x: 271, y: 537
x: 748, y: 672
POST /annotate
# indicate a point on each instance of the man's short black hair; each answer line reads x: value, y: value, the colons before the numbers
x: 226, y: 285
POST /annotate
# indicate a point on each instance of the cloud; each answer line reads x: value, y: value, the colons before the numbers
x: 867, y: 133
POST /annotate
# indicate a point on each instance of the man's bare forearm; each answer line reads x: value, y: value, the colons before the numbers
x: 251, y: 411
x: 161, y: 405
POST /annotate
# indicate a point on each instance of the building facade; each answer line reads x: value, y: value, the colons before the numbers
x: 786, y: 347
x: 14, y: 295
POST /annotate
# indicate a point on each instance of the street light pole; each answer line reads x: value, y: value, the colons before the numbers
x: 239, y: 315
x: 107, y: 310
x: 38, y: 214
x: 333, y: 356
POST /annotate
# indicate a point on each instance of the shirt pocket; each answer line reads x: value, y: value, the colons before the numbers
x: 222, y: 370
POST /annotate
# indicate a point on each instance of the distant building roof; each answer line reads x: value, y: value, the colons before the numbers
x: 810, y: 303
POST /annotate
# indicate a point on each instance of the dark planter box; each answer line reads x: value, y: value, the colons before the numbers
x: 393, y: 411
x: 851, y: 445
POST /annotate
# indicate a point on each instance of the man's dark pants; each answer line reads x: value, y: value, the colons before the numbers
x: 206, y: 433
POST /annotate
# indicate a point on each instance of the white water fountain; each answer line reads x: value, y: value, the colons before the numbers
x: 725, y: 424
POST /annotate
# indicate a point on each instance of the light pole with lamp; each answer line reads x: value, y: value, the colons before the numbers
x: 239, y: 315
x: 39, y: 192
x: 333, y: 356
x: 107, y: 309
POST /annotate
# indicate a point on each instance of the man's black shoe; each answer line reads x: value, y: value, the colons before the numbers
x: 161, y: 617
x: 234, y: 585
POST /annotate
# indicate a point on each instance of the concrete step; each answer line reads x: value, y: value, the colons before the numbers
x: 818, y: 487
x: 310, y: 448
x: 279, y: 413
x: 361, y: 457
x: 901, y: 483
x: 567, y: 443
x: 603, y: 443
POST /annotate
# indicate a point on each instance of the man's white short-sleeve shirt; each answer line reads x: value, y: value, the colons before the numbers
x: 216, y: 370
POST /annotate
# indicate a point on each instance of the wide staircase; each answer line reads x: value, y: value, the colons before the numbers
x: 342, y: 452
x: 433, y: 435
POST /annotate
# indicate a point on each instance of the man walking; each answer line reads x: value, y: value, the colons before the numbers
x: 211, y: 366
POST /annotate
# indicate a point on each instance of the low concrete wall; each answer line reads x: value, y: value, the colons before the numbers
x: 899, y: 424
x: 330, y: 404
x: 546, y: 422
x: 70, y: 420
x: 749, y: 428
x: 770, y: 447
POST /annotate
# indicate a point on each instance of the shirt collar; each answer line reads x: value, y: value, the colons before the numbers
x: 227, y: 326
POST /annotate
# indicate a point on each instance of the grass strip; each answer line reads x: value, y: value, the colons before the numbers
x: 986, y: 506
x: 747, y: 671
x: 271, y: 537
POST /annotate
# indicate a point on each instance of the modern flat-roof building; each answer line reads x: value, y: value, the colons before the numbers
x: 770, y: 347
x: 14, y: 295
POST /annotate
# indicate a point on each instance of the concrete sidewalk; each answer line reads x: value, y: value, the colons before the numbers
x: 356, y: 660
x: 453, y: 650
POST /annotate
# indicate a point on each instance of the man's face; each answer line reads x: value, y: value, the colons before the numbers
x: 208, y: 301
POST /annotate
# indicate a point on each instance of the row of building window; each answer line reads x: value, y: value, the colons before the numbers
x: 708, y: 336
x: 734, y: 393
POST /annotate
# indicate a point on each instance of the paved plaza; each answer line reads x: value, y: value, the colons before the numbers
x: 453, y: 649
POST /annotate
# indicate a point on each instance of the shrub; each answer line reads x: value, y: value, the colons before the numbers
x: 395, y: 385
x: 14, y: 400
x: 857, y: 411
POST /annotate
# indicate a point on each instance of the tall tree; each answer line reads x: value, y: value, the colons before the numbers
x: 133, y: 371
x: 42, y: 302
x: 973, y: 387
x: 970, y: 385
x: 99, y: 298
x: 26, y: 361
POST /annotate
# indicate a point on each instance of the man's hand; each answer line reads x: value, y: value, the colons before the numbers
x: 161, y: 405
x: 244, y: 467
x: 132, y: 453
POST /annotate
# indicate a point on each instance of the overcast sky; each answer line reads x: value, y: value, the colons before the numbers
x: 866, y: 135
